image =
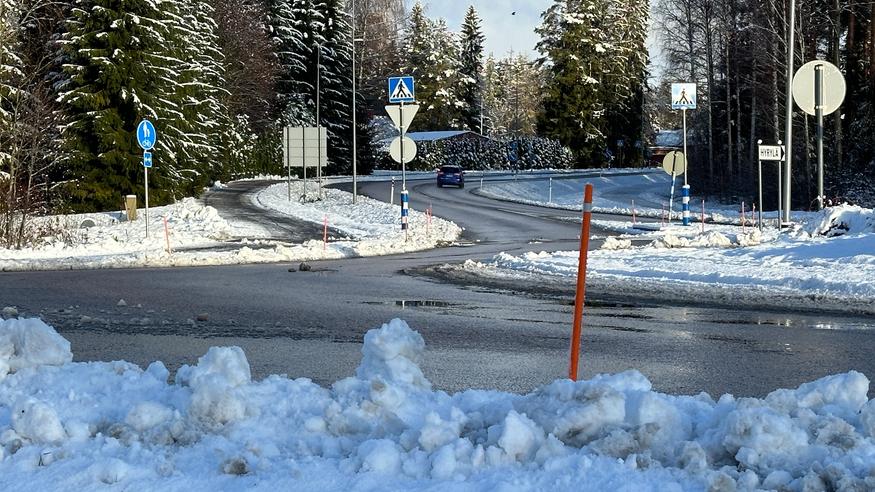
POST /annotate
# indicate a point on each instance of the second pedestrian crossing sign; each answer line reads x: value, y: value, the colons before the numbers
x: 683, y: 96
x: 401, y: 90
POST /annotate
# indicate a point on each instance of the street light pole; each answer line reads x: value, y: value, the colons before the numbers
x: 319, y: 120
x: 788, y: 131
x: 354, y: 126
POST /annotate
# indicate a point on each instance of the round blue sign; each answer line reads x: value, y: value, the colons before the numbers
x: 146, y: 135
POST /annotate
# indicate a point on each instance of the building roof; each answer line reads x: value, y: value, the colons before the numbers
x: 438, y: 135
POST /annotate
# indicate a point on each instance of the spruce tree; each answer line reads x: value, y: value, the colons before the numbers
x: 572, y: 104
x: 471, y: 71
x: 442, y: 76
x: 11, y: 74
x: 333, y: 34
x: 431, y: 54
x: 416, y: 51
x: 121, y: 67
x: 290, y: 22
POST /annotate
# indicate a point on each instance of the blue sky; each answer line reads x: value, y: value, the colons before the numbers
x: 503, y: 31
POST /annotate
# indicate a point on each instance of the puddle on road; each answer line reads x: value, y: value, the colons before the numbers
x: 423, y: 303
x: 412, y: 303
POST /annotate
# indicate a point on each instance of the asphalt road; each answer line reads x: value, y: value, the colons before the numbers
x: 508, y: 337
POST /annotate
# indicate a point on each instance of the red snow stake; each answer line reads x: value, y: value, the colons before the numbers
x: 324, y: 233
x: 167, y: 236
x: 703, y: 215
x: 633, y: 212
x: 581, y: 284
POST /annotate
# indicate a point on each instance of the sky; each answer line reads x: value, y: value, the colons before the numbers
x: 504, y: 30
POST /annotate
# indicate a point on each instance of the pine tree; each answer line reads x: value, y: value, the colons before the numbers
x: 471, y: 71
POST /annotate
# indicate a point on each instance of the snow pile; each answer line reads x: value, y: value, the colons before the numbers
x: 837, y: 221
x: 710, y: 239
x: 612, y: 242
x: 28, y: 343
x: 373, y: 227
x: 84, y: 425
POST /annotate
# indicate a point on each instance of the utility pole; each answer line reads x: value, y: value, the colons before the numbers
x: 788, y: 130
x: 354, y: 126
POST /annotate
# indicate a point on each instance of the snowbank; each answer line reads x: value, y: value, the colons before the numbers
x: 83, y: 426
x: 827, y: 262
x: 29, y: 343
x: 197, y: 235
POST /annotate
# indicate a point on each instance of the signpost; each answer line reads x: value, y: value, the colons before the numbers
x: 146, y: 137
x: 769, y: 153
x: 402, y: 149
x: 818, y: 89
x: 683, y: 97
x: 675, y: 163
x: 304, y: 147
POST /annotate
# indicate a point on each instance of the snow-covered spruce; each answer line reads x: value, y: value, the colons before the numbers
x: 79, y: 426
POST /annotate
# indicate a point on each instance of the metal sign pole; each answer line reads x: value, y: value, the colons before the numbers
x: 287, y: 131
x: 146, y: 172
x: 304, y: 159
x: 684, y: 111
x: 818, y: 110
x: 401, y: 132
x: 780, y: 195
x: 760, y: 185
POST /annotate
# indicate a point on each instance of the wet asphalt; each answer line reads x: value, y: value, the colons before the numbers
x: 509, y: 337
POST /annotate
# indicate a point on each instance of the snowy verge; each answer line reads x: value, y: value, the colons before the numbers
x: 827, y: 262
x: 83, y: 426
x: 197, y: 235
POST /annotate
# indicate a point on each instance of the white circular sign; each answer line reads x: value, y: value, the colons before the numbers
x: 409, y: 149
x: 674, y: 163
x: 834, y: 87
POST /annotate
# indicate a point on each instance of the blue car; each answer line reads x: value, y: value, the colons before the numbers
x: 451, y: 175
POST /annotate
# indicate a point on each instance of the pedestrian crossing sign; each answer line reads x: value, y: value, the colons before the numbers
x: 401, y: 90
x: 683, y: 96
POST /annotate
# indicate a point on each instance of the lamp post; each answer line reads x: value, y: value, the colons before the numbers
x: 354, y: 126
x: 788, y: 131
x: 318, y: 120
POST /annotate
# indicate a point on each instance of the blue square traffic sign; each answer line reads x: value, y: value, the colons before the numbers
x: 401, y: 90
x: 147, y: 159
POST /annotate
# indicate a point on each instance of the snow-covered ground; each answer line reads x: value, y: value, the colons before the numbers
x: 826, y: 260
x: 68, y: 426
x: 197, y: 235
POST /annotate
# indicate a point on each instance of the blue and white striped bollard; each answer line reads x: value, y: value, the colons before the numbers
x: 686, y: 203
x: 405, y: 204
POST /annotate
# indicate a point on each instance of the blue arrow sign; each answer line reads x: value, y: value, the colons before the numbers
x: 147, y: 159
x: 401, y: 90
x: 146, y: 135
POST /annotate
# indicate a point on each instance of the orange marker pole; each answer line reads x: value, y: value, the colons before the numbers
x: 167, y: 236
x: 324, y: 232
x: 581, y: 283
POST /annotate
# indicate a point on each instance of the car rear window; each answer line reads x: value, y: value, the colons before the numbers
x: 451, y: 169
